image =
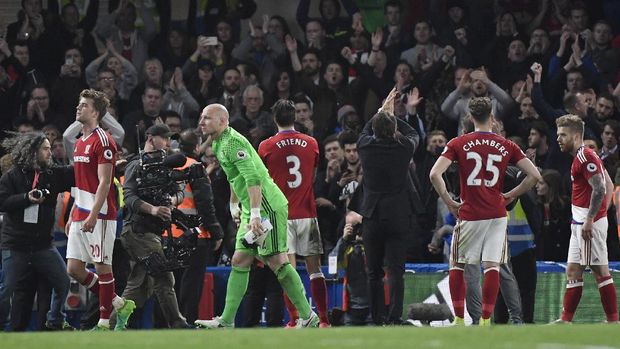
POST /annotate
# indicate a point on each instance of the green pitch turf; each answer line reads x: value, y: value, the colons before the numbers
x: 595, y: 336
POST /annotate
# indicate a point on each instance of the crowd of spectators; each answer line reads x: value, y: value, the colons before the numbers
x: 536, y: 60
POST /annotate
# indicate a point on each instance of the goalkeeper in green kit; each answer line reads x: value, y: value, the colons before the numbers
x: 264, y: 215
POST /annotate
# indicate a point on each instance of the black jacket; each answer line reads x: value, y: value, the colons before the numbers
x: 14, y: 188
x: 388, y: 189
x: 203, y: 198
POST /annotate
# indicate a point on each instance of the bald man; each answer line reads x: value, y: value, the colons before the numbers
x: 262, y: 203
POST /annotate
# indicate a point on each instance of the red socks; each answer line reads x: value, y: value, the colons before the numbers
x: 91, y: 283
x: 490, y: 288
x: 319, y: 293
x: 572, y: 296
x: 106, y: 294
x: 608, y: 297
x: 457, y: 291
x: 293, y: 314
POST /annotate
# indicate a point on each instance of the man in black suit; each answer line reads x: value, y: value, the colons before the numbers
x: 386, y: 147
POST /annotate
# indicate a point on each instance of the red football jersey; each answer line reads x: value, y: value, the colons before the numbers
x: 292, y: 158
x: 585, y: 165
x: 90, y: 151
x: 483, y: 158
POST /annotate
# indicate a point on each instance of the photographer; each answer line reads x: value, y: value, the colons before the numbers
x: 28, y: 193
x: 140, y: 238
x: 352, y: 257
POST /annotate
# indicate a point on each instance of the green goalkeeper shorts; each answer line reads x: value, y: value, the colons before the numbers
x: 275, y: 242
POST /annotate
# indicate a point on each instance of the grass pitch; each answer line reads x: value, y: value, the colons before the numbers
x: 597, y: 336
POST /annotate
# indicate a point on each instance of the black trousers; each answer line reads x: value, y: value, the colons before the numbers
x: 263, y: 284
x: 192, y: 280
x: 385, y: 244
x: 189, y: 284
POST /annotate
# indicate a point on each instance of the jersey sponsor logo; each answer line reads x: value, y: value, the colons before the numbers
x: 591, y: 167
x: 81, y: 158
x: 107, y: 154
x: 241, y: 155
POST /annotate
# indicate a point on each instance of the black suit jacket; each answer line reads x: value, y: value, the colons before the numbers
x: 387, y: 185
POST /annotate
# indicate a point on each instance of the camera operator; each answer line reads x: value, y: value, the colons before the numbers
x: 140, y: 241
x: 28, y: 193
x: 198, y: 199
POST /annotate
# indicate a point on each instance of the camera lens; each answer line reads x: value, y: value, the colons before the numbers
x: 37, y: 194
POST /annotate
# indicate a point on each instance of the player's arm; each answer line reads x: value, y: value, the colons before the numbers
x: 254, y: 192
x: 533, y: 176
x: 253, y: 180
x: 104, y: 174
x: 597, y: 182
x: 233, y: 205
x: 70, y: 220
x: 609, y: 189
x: 436, y: 177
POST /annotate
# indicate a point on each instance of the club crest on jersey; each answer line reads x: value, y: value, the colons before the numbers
x: 591, y: 167
x: 107, y: 154
x: 241, y: 154
x: 87, y: 149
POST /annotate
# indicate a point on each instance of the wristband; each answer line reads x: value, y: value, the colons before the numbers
x: 254, y: 213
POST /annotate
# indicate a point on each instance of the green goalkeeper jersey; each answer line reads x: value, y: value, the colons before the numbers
x: 244, y: 168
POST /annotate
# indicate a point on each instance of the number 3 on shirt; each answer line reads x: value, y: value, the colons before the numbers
x: 294, y: 170
x: 473, y: 179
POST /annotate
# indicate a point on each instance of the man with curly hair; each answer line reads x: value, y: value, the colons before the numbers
x: 28, y: 192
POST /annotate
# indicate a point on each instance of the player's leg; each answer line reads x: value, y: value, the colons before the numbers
x: 310, y: 246
x: 462, y: 244
x: 291, y: 284
x: 101, y: 245
x: 490, y: 289
x: 77, y: 256
x: 574, y: 274
x: 574, y: 289
x: 237, y: 285
x: 607, y: 290
x: 238, y: 280
x: 494, y: 252
x: 274, y: 252
x: 291, y: 243
x: 318, y: 287
x: 600, y: 269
